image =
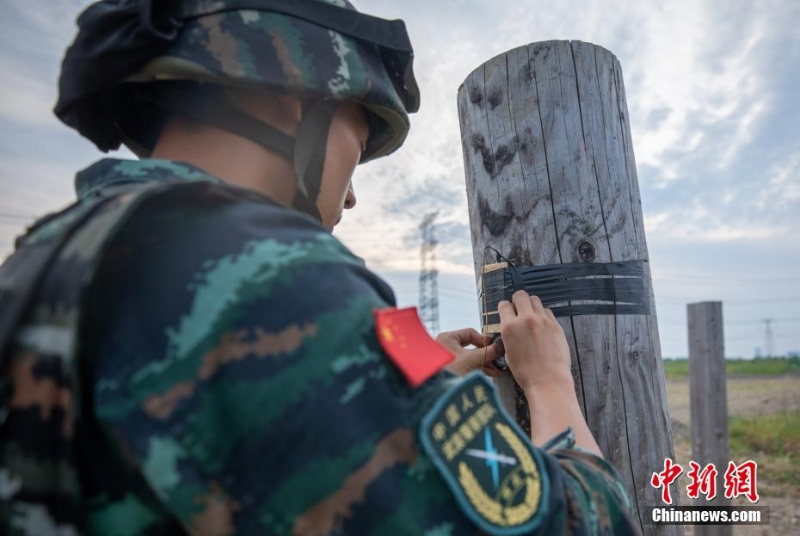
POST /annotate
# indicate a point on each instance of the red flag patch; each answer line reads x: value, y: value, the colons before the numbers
x: 408, y: 344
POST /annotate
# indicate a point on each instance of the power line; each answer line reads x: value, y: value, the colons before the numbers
x: 461, y: 298
x: 16, y: 217
x: 684, y: 301
x: 728, y: 282
x: 760, y: 337
x: 751, y: 322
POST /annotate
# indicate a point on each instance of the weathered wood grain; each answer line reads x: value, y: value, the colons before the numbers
x: 539, y: 216
x: 708, y: 400
x: 550, y: 179
x: 635, y: 352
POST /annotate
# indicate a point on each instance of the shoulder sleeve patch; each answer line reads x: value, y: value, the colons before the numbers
x: 490, y: 466
x: 408, y: 344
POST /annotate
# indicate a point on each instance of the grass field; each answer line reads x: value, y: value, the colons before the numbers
x: 676, y: 369
x: 775, y: 441
x: 763, y: 399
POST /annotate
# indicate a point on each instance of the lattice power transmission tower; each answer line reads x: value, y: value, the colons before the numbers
x: 769, y: 339
x: 428, y: 276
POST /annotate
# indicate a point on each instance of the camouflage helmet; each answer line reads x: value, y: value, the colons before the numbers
x: 321, y: 50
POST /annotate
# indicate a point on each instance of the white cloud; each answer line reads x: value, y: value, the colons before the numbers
x: 25, y: 99
x: 675, y: 69
x: 32, y: 42
x: 782, y: 184
x: 29, y: 190
x: 682, y: 67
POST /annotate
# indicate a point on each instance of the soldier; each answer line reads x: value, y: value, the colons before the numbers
x: 188, y: 350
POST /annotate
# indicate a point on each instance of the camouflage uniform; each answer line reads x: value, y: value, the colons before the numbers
x: 197, y: 359
x: 229, y: 380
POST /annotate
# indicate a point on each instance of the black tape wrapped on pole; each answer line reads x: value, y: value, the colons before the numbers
x: 614, y: 288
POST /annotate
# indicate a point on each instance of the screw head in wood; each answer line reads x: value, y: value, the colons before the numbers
x: 586, y: 251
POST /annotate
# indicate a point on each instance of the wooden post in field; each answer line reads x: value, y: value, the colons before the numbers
x: 551, y: 179
x: 708, y: 400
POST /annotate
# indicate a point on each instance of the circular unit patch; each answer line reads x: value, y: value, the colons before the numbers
x: 489, y: 464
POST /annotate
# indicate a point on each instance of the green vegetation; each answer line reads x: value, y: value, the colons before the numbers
x: 763, y: 367
x: 678, y: 369
x: 773, y: 441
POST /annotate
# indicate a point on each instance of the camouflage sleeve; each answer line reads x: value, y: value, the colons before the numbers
x: 596, y: 499
x: 238, y: 372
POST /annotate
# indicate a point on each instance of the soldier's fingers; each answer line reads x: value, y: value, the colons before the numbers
x: 523, y: 303
x: 450, y: 340
x: 536, y: 304
x: 470, y: 359
x: 492, y: 371
x: 490, y: 353
x: 461, y: 338
x: 506, y: 311
x: 467, y: 336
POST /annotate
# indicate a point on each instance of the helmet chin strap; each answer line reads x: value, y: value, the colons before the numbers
x: 310, y: 146
x: 306, y: 151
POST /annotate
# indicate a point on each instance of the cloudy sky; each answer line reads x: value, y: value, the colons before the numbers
x: 712, y: 96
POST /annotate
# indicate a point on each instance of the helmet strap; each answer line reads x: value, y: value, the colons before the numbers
x: 306, y: 151
x: 310, y: 146
x: 223, y: 115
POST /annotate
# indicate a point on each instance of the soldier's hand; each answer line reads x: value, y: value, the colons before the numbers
x: 469, y: 359
x: 536, y: 348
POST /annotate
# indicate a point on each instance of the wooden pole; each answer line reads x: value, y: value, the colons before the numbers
x: 551, y: 179
x: 708, y: 400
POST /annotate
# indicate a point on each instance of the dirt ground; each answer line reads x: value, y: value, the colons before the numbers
x: 747, y: 396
